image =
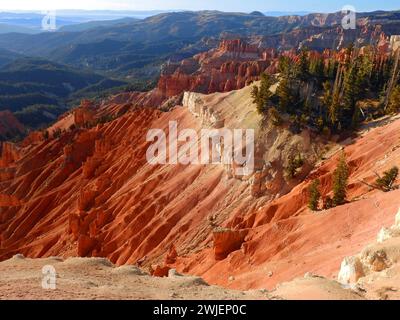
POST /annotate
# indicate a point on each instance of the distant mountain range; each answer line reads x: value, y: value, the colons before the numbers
x: 134, y: 50
x: 96, y: 24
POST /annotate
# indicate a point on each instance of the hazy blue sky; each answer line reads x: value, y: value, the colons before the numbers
x: 231, y: 5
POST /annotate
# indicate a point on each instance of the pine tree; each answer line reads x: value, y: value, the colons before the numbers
x: 389, y: 177
x: 303, y: 72
x: 350, y: 89
x: 340, y: 180
x: 327, y: 98
x: 331, y: 69
x: 274, y: 116
x: 394, y: 101
x: 334, y: 110
x: 255, y: 95
x: 284, y: 94
x: 317, y: 68
x: 262, y: 95
x: 314, y: 195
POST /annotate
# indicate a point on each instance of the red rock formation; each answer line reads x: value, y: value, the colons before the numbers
x: 172, y: 255
x: 227, y: 241
x: 160, y: 271
x: 85, y: 245
x: 91, y: 192
x: 85, y: 114
x: 9, y: 200
x: 9, y: 154
x: 231, y: 66
x: 129, y: 209
x: 34, y: 137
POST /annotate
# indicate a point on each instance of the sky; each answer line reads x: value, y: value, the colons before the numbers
x: 223, y: 5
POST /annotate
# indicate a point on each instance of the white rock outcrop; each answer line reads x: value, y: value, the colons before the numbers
x: 374, y: 258
x: 392, y: 232
x: 351, y: 270
x: 195, y: 104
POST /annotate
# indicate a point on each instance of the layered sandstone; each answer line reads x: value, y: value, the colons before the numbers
x: 233, y: 65
x: 91, y: 192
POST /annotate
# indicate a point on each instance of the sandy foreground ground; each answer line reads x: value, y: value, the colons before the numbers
x: 97, y: 278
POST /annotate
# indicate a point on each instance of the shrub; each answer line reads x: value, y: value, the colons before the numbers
x: 261, y: 96
x: 340, y: 180
x: 274, y: 116
x: 328, y: 203
x: 394, y: 101
x: 295, y: 162
x: 314, y: 195
x: 57, y: 133
x: 45, y: 134
x: 389, y: 177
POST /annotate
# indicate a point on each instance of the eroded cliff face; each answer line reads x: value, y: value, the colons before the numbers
x: 92, y: 193
x: 230, y: 66
x: 286, y: 240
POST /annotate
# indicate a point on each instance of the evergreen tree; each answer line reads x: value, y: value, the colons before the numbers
x: 334, y: 110
x: 389, y: 177
x: 331, y: 69
x: 314, y: 195
x: 394, y: 101
x: 350, y: 88
x: 317, y: 68
x: 340, y: 180
x: 284, y: 66
x: 274, y: 116
x: 303, y: 72
x: 327, y: 98
x: 284, y: 94
x: 255, y: 96
x: 262, y: 95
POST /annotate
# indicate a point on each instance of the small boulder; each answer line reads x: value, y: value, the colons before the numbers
x: 384, y: 235
x: 18, y: 256
x: 160, y: 271
x: 375, y: 260
x: 172, y: 273
x: 351, y: 270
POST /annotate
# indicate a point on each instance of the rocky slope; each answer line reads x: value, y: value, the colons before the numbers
x: 286, y: 240
x: 97, y: 195
x: 91, y: 193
